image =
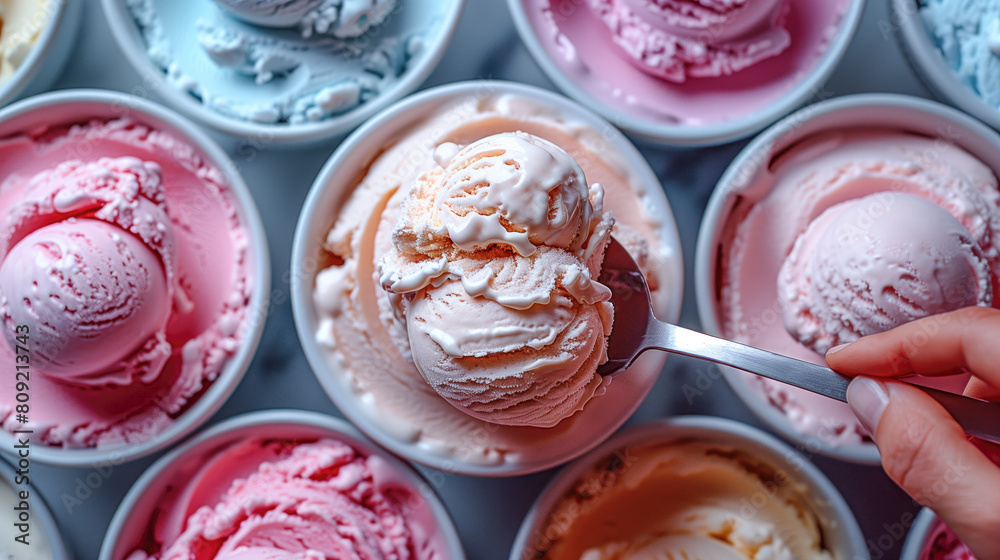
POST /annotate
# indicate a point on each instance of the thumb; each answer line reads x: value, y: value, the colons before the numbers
x: 929, y: 455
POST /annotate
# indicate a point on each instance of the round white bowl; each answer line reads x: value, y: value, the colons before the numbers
x: 840, y: 529
x: 691, y: 135
x: 332, y: 188
x: 855, y: 111
x: 154, y: 80
x: 49, y: 54
x: 40, y: 515
x: 137, y: 507
x: 918, y: 535
x: 930, y: 65
x: 71, y: 106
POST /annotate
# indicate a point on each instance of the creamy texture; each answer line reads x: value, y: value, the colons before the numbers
x: 685, y: 62
x: 942, y: 544
x: 285, y: 500
x: 340, y: 18
x: 869, y: 255
x: 695, y: 38
x: 38, y: 547
x: 123, y: 254
x: 496, y: 255
x: 362, y: 328
x: 849, y: 275
x: 687, y: 499
x: 21, y: 23
x: 968, y: 34
x: 346, y: 52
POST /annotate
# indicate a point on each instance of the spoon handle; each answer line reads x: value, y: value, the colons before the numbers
x: 978, y: 418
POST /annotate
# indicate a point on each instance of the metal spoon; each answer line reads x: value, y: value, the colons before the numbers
x: 636, y: 330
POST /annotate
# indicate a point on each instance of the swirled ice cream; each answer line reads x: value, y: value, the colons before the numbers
x: 697, y: 39
x: 681, y: 499
x: 483, y: 220
x: 496, y: 255
x: 691, y: 63
x: 851, y: 233
x: 124, y: 277
x: 290, y: 499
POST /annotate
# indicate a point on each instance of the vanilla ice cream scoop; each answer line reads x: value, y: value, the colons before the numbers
x: 695, y: 38
x: 494, y: 265
x: 87, y: 265
x: 873, y: 263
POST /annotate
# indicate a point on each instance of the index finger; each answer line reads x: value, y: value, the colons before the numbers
x: 942, y: 344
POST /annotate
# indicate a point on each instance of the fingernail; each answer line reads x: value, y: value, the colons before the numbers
x: 868, y: 399
x: 837, y: 348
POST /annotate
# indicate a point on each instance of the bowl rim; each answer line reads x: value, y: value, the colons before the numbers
x: 718, y: 208
x: 154, y: 81
x: 32, y: 65
x: 340, y: 428
x: 916, y: 537
x: 689, y: 135
x: 39, y: 509
x: 259, y: 307
x: 301, y: 285
x: 702, y: 428
x: 928, y: 62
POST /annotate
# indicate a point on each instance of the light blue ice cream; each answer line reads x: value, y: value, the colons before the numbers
x: 968, y: 34
x: 283, y: 61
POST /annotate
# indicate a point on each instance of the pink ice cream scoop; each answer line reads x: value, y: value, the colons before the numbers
x: 494, y: 264
x: 89, y: 270
x: 680, y: 39
x: 126, y: 259
x: 943, y: 544
x: 873, y: 263
x: 278, y: 500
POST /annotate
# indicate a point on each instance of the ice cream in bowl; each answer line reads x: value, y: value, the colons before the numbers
x: 690, y: 487
x: 688, y: 72
x: 281, y: 484
x: 132, y: 276
x: 282, y: 72
x: 847, y: 219
x: 445, y: 277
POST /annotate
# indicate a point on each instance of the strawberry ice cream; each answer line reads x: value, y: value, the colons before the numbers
x: 942, y: 544
x: 850, y: 233
x: 277, y: 500
x: 697, y: 39
x: 497, y: 251
x: 849, y: 276
x: 124, y: 255
x: 686, y: 70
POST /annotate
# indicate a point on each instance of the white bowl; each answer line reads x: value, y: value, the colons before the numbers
x: 928, y: 62
x: 854, y: 111
x: 45, y: 62
x: 154, y: 80
x: 919, y: 534
x: 687, y: 134
x: 72, y: 106
x: 41, y: 523
x: 136, y: 509
x: 332, y: 188
x: 840, y: 530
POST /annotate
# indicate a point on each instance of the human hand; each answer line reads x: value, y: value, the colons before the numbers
x: 923, y: 449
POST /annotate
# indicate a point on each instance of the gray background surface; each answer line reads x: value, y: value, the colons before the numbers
x: 487, y: 512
